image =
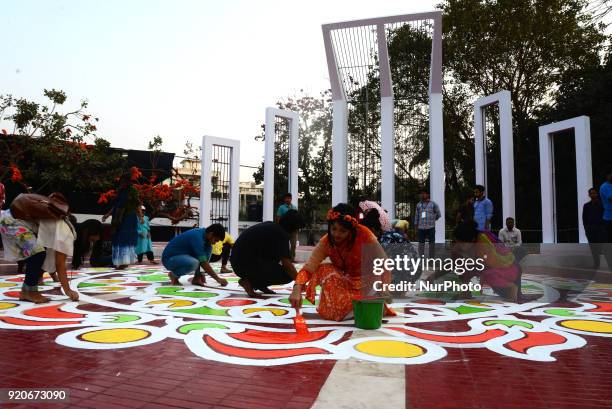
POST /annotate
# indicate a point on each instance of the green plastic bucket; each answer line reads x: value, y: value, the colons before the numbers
x: 368, y: 313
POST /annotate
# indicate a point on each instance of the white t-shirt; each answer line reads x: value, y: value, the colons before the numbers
x: 55, y: 235
x: 510, y: 238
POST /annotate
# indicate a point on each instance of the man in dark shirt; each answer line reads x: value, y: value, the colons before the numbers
x: 592, y: 219
x: 466, y: 211
x: 261, y: 256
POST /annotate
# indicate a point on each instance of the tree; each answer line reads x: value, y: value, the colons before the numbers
x: 52, y: 151
x: 529, y: 47
x: 169, y: 199
x: 314, y: 157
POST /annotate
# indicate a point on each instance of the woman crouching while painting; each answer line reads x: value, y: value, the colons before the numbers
x: 501, y: 270
x: 341, y: 280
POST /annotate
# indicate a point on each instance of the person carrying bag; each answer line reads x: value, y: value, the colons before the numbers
x: 33, y: 207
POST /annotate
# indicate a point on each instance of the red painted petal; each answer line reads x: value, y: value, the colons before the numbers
x: 601, y: 307
x: 534, y: 339
x: 234, y: 303
x: 259, y: 353
x: 29, y: 323
x: 52, y: 311
x: 458, y: 339
x: 270, y: 337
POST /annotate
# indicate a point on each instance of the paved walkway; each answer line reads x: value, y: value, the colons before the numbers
x: 134, y: 341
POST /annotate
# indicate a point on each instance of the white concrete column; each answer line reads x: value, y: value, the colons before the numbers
x: 205, y: 182
x: 268, y: 193
x: 339, y: 152
x: 480, y: 155
x: 387, y: 156
x: 547, y: 178
x: 294, y: 146
x: 504, y: 103
x: 584, y: 170
x: 234, y: 189
x: 507, y: 155
x: 584, y: 173
x: 206, y: 186
x: 436, y: 159
x: 387, y: 129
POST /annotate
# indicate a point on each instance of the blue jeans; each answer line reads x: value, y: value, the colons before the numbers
x: 181, y: 264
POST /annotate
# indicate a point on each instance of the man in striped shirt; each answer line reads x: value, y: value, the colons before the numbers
x: 426, y: 214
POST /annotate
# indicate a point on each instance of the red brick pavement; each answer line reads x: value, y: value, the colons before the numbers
x: 161, y: 375
x: 167, y: 375
x: 476, y: 378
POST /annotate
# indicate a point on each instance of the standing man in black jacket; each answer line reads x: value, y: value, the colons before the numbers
x: 592, y: 219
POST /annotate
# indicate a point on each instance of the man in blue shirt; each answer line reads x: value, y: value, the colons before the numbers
x: 483, y: 208
x: 185, y: 253
x: 605, y: 193
x: 285, y: 206
x: 282, y: 210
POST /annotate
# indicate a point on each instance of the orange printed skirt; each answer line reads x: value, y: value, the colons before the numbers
x: 337, y: 293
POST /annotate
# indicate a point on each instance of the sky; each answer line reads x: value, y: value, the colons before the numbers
x: 179, y: 69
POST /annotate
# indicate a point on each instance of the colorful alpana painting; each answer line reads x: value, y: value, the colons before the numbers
x: 138, y: 306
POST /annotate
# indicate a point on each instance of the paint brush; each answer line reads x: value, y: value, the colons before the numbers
x: 300, y: 323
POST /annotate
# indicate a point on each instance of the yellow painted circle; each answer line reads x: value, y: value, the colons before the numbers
x: 390, y: 349
x: 588, y: 326
x: 7, y: 305
x: 6, y: 285
x: 115, y: 335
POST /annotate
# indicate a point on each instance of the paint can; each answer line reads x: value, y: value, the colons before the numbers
x: 368, y: 312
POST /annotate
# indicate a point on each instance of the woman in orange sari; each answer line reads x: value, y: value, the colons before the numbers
x: 341, y: 280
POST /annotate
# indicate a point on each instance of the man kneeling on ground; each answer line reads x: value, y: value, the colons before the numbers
x: 189, y: 251
x: 261, y: 254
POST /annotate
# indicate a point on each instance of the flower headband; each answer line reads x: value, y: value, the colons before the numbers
x: 333, y: 216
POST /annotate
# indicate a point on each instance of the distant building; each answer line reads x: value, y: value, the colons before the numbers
x: 251, y: 194
x: 190, y: 169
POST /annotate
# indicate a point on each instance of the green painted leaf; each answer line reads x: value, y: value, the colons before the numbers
x: 180, y: 292
x: 466, y: 309
x: 561, y: 312
x: 154, y: 277
x: 203, y: 311
x: 509, y: 323
x: 185, y: 329
x: 121, y: 318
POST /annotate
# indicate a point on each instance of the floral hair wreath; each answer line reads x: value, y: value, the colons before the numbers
x: 333, y: 216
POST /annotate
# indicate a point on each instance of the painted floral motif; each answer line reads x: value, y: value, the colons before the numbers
x: 221, y: 324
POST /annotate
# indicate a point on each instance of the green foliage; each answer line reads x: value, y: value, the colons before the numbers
x: 530, y: 48
x: 156, y: 143
x: 523, y: 46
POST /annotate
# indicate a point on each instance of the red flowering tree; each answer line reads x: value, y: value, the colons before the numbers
x: 169, y: 199
x: 44, y: 149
